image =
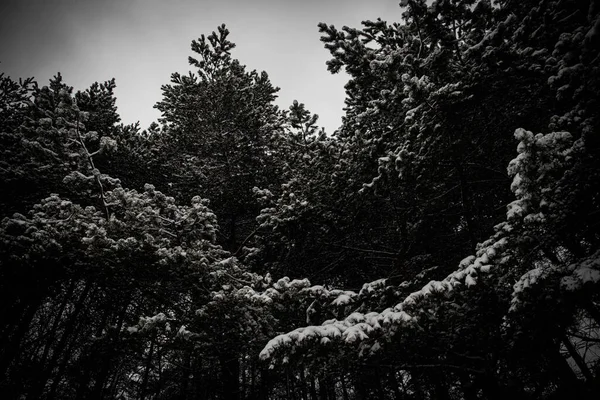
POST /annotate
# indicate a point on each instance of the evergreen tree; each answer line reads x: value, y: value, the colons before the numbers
x: 447, y: 56
x: 220, y: 127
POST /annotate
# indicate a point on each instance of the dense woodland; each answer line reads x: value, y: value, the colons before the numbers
x: 443, y: 243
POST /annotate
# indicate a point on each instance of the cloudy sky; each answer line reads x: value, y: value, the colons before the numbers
x: 141, y: 42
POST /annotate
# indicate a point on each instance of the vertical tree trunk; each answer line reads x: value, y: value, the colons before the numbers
x: 113, y: 386
x: 417, y: 386
x: 200, y: 390
x: 313, y: 389
x: 59, y: 350
x: 569, y: 384
x: 361, y: 390
x: 589, y: 377
x: 468, y: 389
x: 144, y: 384
x: 345, y: 395
x: 441, y: 393
x: 264, y: 384
x: 159, y: 372
x: 394, y: 384
x: 466, y: 202
x: 380, y: 392
x: 244, y: 383
x: 62, y: 366
x: 56, y: 322
x: 185, y: 376
x: 13, y: 342
x: 287, y: 384
x: 108, y: 358
x: 83, y: 389
x: 303, y: 392
x: 322, y: 389
x: 253, y: 391
x: 230, y: 375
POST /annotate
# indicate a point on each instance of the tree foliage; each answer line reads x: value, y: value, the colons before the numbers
x: 222, y: 253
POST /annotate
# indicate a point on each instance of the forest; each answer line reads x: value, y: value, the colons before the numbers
x: 443, y: 243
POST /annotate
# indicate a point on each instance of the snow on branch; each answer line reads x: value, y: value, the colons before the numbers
x: 541, y: 158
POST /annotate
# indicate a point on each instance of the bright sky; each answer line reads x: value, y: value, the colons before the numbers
x: 141, y: 42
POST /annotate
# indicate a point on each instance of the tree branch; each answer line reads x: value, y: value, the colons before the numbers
x: 96, y: 175
x: 250, y: 236
x: 381, y: 252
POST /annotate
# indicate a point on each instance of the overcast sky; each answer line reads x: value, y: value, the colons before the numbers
x: 141, y: 42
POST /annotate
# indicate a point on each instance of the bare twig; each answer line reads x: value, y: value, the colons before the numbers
x: 584, y: 338
x: 381, y: 252
x: 96, y: 175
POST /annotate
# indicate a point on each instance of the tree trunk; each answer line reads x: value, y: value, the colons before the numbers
x: 230, y: 375
x: 380, y: 392
x: 303, y: 392
x: 83, y: 390
x: 62, y: 366
x: 467, y: 386
x: 466, y: 202
x: 56, y: 322
x: 441, y: 392
x: 589, y: 377
x: 145, y: 379
x: 59, y: 350
x: 322, y: 389
x: 569, y: 384
x: 345, y: 395
x: 264, y: 384
x: 108, y: 357
x: 13, y: 342
x: 313, y: 389
x: 185, y: 376
x: 361, y: 390
x: 393, y: 381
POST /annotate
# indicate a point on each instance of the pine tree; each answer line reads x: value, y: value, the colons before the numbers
x: 221, y: 123
x: 444, y: 58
